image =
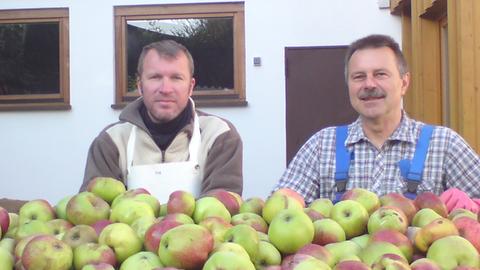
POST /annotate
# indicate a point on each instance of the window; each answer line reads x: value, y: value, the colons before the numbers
x: 213, y: 33
x: 34, y: 71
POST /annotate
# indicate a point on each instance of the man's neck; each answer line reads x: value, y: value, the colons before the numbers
x: 379, y: 130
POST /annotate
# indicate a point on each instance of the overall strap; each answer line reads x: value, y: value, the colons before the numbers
x: 413, y: 174
x: 342, y: 159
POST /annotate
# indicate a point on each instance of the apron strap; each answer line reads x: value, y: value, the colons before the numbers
x: 342, y: 159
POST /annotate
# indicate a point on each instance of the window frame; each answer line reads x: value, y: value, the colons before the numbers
x: 57, y: 101
x: 204, y: 98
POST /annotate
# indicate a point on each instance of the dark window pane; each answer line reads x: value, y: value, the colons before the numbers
x: 209, y: 40
x: 29, y: 58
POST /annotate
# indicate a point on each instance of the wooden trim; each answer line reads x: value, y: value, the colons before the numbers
x: 186, y: 9
x: 33, y: 14
x: 434, y: 9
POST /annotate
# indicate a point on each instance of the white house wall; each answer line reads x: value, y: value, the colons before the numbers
x: 42, y: 153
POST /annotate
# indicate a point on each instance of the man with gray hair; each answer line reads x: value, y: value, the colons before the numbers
x: 161, y: 142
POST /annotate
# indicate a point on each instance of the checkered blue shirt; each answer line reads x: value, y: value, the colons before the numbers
x: 450, y: 162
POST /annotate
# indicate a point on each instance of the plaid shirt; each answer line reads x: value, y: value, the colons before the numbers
x: 450, y: 162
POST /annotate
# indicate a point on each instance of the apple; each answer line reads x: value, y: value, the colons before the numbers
x: 122, y: 239
x: 100, y: 224
x: 278, y: 202
x: 375, y: 250
x: 59, y: 227
x: 291, y: 194
x: 387, y: 217
x: 327, y: 231
x: 461, y: 212
x: 318, y: 252
x: 61, y: 207
x: 254, y: 220
x: 210, y: 207
x: 227, y: 198
x: 263, y: 236
x: 141, y: 260
x: 290, y: 230
x: 47, y: 252
x: 252, y: 205
x: 8, y: 244
x: 137, y: 193
x: 179, y: 217
x: 154, y: 233
x: 432, y: 201
x: 107, y: 188
x: 163, y: 210
x: 36, y: 210
x: 313, y: 214
x: 93, y: 253
x: 87, y: 208
x: 424, y: 216
x: 322, y: 205
x: 150, y: 200
x: 232, y: 247
x: 181, y: 202
x: 351, y: 265
x: 80, y: 234
x: 361, y: 240
x: 343, y: 250
x: 142, y: 224
x: 98, y: 266
x: 469, y: 229
x: 128, y: 210
x: 186, y: 246
x: 365, y: 197
x: 245, y: 236
x: 20, y: 246
x: 31, y: 227
x: 436, y: 229
x: 268, y: 255
x: 424, y: 264
x: 4, y: 221
x: 311, y: 263
x: 227, y: 260
x: 352, y: 216
x: 217, y: 227
x: 12, y: 226
x: 452, y: 251
x: 6, y: 259
x: 398, y: 239
x: 293, y: 261
x: 407, y: 206
x: 391, y: 261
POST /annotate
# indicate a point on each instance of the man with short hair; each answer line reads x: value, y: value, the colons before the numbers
x: 162, y: 143
x: 384, y: 150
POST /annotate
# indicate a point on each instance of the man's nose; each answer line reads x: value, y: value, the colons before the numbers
x: 166, y: 86
x: 370, y: 82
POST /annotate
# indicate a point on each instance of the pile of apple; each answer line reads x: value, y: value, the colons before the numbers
x: 108, y: 227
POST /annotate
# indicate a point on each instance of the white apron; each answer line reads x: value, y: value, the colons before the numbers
x: 162, y: 179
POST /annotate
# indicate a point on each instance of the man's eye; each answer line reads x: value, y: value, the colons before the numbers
x: 381, y: 74
x: 358, y: 77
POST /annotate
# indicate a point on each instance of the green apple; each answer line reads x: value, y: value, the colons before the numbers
x: 80, y: 234
x: 107, y: 188
x: 142, y: 224
x: 343, y: 250
x: 391, y: 261
x: 227, y: 260
x: 252, y: 205
x: 327, y: 231
x: 352, y: 216
x: 232, y: 247
x: 32, y: 227
x: 36, y: 210
x: 163, y: 210
x: 436, y: 229
x: 128, y: 210
x: 20, y: 246
x: 217, y: 227
x: 398, y: 239
x: 432, y: 201
x: 461, y: 212
x: 361, y: 240
x: 278, y: 202
x: 90, y: 253
x: 154, y: 233
x: 227, y: 198
x: 6, y: 260
x: 8, y: 244
x: 290, y: 230
x: 122, y: 239
x: 311, y: 263
x: 47, y: 252
x: 398, y: 200
x: 351, y: 265
x: 375, y: 250
x: 387, y: 217
x: 365, y: 197
x: 98, y: 266
x: 424, y: 216
x: 245, y: 236
x: 319, y: 252
x: 267, y: 255
x: 452, y: 251
x: 424, y: 264
x: 139, y: 194
x: 186, y: 246
x: 313, y: 214
x: 210, y: 207
x: 322, y: 205
x: 87, y: 208
x: 291, y: 193
x: 141, y: 260
x: 181, y: 202
x: 252, y: 219
x: 59, y: 227
x: 12, y: 226
x: 61, y: 207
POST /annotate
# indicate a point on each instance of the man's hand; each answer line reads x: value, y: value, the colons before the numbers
x: 455, y: 198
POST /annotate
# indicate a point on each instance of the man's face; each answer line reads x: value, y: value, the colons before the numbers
x: 166, y: 85
x: 375, y: 85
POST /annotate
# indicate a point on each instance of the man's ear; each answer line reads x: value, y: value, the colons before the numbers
x: 405, y: 82
x: 139, y: 87
x: 192, y: 86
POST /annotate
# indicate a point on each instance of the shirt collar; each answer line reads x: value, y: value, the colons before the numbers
x: 404, y: 131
